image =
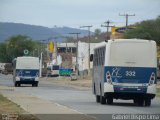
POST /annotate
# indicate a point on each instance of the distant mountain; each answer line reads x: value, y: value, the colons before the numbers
x: 66, y: 30
x: 36, y: 32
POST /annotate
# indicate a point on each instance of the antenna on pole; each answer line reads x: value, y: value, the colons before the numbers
x: 127, y: 16
x: 107, y: 26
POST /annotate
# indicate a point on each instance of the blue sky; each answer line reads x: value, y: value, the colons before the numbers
x: 74, y: 13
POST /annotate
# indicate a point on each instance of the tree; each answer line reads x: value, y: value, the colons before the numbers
x: 97, y: 32
x: 70, y: 40
x: 14, y: 47
x: 149, y: 30
x: 3, y: 53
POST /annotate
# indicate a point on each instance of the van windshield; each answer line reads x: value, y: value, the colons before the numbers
x: 140, y: 54
x: 55, y: 67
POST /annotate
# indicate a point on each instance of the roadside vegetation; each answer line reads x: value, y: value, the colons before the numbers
x: 15, y: 46
x: 148, y: 29
x: 8, y: 108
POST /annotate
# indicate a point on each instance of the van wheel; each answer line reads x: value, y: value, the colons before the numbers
x: 97, y: 98
x: 135, y: 101
x: 19, y: 85
x: 102, y: 100
x: 147, y: 102
x: 110, y: 100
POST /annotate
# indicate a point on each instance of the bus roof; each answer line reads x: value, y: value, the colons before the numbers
x: 102, y: 44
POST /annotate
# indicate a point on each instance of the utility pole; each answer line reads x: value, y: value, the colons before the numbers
x: 89, y: 41
x: 107, y: 26
x: 76, y: 33
x: 126, y: 15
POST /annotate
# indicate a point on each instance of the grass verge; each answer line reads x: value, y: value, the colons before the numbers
x: 8, y: 109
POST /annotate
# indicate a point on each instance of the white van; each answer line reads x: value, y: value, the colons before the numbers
x: 125, y: 69
x: 26, y: 71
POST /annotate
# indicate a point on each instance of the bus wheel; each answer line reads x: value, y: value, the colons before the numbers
x: 97, y: 98
x: 147, y: 102
x: 94, y: 89
x: 102, y: 99
x: 36, y: 85
x: 141, y: 102
x: 16, y: 84
x: 110, y: 100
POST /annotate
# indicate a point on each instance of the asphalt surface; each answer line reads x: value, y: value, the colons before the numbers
x: 82, y: 101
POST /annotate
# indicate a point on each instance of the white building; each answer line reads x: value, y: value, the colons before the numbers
x: 83, y: 53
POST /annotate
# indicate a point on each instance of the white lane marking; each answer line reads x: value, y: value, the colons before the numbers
x: 74, y: 110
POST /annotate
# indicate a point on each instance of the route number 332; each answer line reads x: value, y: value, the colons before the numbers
x: 130, y: 73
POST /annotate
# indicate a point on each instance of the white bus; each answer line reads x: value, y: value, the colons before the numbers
x: 125, y: 69
x: 26, y: 71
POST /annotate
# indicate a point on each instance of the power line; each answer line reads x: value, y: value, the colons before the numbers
x: 89, y: 41
x: 126, y: 15
x: 107, y: 26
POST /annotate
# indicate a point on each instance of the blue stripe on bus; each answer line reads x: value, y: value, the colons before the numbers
x: 129, y: 74
x: 27, y: 72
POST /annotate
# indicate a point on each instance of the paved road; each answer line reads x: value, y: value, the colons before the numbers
x: 81, y: 100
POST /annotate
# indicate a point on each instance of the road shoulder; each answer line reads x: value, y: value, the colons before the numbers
x: 41, y: 108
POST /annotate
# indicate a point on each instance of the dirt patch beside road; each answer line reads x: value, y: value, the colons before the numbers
x: 66, y: 81
x: 10, y: 110
x: 6, y: 106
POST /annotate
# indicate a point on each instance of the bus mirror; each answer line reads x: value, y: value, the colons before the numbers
x: 91, y: 57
